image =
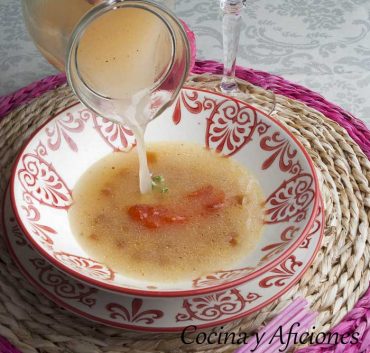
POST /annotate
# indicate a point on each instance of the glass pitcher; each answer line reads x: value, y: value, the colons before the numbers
x: 62, y: 29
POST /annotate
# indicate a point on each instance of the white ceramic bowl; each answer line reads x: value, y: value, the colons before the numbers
x: 57, y: 155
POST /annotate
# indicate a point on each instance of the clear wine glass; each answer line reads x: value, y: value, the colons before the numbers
x: 231, y: 28
x: 231, y: 24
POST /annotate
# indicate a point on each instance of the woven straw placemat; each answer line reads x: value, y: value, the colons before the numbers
x: 334, y: 283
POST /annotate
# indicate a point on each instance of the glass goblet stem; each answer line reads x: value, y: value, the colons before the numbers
x: 231, y: 24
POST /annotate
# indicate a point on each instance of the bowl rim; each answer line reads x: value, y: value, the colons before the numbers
x: 169, y: 293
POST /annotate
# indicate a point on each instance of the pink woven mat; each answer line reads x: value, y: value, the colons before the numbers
x: 359, y: 318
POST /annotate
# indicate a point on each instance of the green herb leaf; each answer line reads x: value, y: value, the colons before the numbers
x: 158, y: 184
x: 158, y: 179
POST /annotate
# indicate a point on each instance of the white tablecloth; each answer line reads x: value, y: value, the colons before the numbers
x: 321, y: 44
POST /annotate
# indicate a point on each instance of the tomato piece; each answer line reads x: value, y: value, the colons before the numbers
x: 154, y: 216
x: 199, y: 202
x: 151, y: 157
x: 216, y: 200
x: 204, y: 191
x: 209, y: 197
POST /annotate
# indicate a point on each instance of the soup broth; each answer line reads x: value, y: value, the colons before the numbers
x: 204, y: 214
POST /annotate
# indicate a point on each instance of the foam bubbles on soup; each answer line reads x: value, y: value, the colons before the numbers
x: 208, y: 220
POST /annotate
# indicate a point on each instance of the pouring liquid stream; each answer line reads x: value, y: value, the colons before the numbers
x: 122, y: 55
x: 137, y: 119
x: 144, y: 172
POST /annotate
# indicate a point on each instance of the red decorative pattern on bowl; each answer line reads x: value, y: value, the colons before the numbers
x: 60, y: 151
